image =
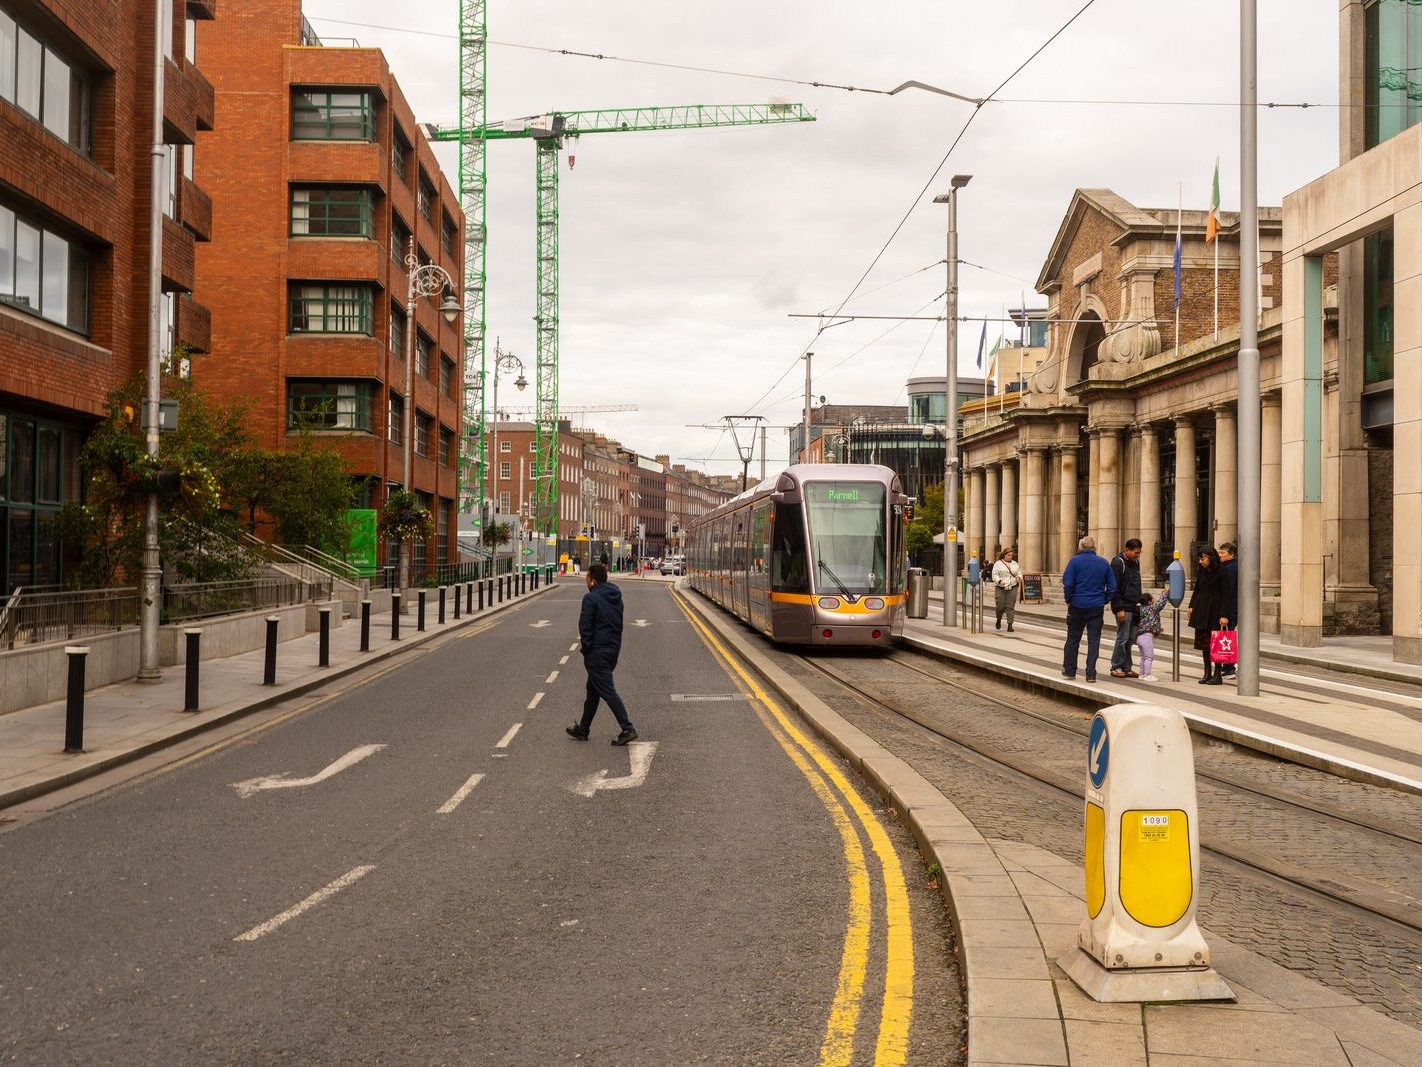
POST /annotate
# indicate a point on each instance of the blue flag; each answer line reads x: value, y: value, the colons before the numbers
x: 982, y: 340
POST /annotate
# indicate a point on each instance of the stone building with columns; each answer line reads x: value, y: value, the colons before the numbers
x: 1125, y: 431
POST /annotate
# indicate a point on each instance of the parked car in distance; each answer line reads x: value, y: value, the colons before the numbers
x: 674, y: 565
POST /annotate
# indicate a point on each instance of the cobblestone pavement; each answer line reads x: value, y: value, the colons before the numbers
x: 1373, y: 960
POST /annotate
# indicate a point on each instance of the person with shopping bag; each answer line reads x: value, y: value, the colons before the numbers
x: 1207, y: 610
x: 1006, y: 581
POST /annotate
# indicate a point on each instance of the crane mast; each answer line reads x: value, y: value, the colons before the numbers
x: 473, y: 199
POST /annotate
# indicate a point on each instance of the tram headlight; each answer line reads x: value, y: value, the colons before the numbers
x: 829, y: 603
x: 874, y: 603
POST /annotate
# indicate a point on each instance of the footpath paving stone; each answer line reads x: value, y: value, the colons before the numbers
x: 1265, y: 1037
x: 1013, y: 998
x: 1117, y: 1044
x: 1037, y: 1041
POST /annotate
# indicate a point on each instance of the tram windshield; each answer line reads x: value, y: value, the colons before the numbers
x: 846, y: 522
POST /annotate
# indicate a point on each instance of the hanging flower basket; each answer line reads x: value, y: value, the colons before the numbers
x: 402, y: 518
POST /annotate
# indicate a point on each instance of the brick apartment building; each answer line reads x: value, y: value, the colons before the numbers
x: 320, y: 180
x: 76, y: 105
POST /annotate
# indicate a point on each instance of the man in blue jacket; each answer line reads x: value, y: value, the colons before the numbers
x: 1088, y: 585
x: 600, y: 636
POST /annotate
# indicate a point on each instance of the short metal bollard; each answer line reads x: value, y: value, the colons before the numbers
x: 74, y: 704
x: 420, y: 612
x: 457, y: 598
x: 469, y: 598
x: 192, y: 659
x: 501, y: 589
x: 269, y: 667
x: 439, y: 616
x: 323, y: 647
x: 534, y: 577
x: 481, y: 594
x: 365, y: 625
x: 394, y: 616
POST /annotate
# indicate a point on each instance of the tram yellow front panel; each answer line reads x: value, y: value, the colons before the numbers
x: 1156, y: 886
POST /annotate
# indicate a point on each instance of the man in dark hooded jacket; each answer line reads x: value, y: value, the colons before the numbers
x: 600, y: 635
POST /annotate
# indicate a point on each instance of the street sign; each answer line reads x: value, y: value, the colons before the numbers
x: 1098, y: 752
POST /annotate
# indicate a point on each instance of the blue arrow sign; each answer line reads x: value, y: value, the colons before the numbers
x: 1098, y: 752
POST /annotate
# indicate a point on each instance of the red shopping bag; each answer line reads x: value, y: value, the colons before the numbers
x: 1224, y: 646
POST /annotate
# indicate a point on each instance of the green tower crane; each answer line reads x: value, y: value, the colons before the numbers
x: 549, y: 132
x: 473, y: 116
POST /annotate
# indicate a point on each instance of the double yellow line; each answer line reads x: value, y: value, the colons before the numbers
x: 840, y: 800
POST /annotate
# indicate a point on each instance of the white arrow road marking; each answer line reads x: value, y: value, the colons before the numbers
x: 534, y: 702
x: 306, y: 905
x: 281, y: 781
x: 508, y: 737
x: 540, y: 624
x: 1096, y: 754
x: 641, y: 755
x: 459, y: 795
x: 641, y: 622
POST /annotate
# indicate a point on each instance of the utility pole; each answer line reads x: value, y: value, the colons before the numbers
x: 1248, y: 372
x: 805, y: 455
x: 762, y: 453
x: 950, y: 410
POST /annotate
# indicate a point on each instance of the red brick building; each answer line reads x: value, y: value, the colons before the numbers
x: 76, y: 129
x: 320, y: 180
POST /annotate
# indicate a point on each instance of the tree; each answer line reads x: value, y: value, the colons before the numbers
x: 495, y: 535
x: 927, y: 519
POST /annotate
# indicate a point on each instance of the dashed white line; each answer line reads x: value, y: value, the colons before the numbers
x: 508, y: 737
x: 573, y: 647
x: 306, y: 905
x: 459, y: 795
x: 552, y: 677
x: 563, y: 661
x: 534, y: 702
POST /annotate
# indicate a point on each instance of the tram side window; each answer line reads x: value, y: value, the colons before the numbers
x: 760, y: 535
x: 789, y: 571
x: 900, y: 551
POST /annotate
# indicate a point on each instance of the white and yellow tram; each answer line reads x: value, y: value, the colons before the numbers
x: 814, y: 556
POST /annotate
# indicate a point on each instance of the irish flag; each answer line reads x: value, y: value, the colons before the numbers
x: 1212, y: 224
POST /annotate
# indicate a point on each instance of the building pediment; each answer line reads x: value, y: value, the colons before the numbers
x: 1085, y: 202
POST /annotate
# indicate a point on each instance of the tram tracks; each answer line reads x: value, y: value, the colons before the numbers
x: 1395, y: 910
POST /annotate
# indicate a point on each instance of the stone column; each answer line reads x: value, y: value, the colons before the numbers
x: 1407, y: 436
x: 1131, y: 488
x: 1093, y: 483
x: 1301, y: 513
x: 1226, y: 475
x: 1107, y: 520
x: 1269, y: 490
x: 1148, y: 520
x: 1034, y: 534
x: 1066, y: 505
x: 1186, y: 514
x: 1009, y: 504
x: 992, y: 510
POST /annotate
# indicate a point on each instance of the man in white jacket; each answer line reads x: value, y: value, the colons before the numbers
x: 1006, y: 577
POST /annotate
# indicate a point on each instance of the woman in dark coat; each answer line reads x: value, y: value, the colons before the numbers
x: 1207, y: 609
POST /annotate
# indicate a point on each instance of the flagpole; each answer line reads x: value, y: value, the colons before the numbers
x: 1215, y: 208
x: 1180, y: 270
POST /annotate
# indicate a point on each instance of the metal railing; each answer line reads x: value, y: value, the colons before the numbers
x: 201, y: 600
x: 34, y: 616
x: 342, y: 569
x: 289, y: 561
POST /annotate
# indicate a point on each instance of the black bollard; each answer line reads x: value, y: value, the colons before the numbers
x: 394, y: 616
x: 323, y: 647
x: 192, y: 658
x: 522, y: 583
x: 439, y: 617
x: 533, y: 577
x: 502, y: 583
x: 469, y: 598
x: 458, y: 596
x: 481, y: 594
x: 269, y: 667
x: 74, y: 704
x: 420, y: 613
x: 365, y: 625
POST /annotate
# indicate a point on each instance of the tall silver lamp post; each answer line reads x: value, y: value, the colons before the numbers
x: 426, y: 279
x: 950, y: 412
x: 503, y: 361
x: 1248, y: 370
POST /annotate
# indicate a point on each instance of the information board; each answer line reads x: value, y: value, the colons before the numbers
x: 1032, y: 588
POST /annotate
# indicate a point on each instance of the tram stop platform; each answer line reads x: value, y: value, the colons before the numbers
x: 1346, y: 708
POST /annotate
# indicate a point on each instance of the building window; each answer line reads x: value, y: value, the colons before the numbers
x: 1377, y: 307
x: 533, y: 447
x: 505, y: 471
x: 448, y: 234
x: 422, y: 354
x: 446, y: 375
x: 442, y: 532
x: 397, y: 331
x: 395, y: 418
x: 334, y: 212
x: 504, y: 502
x: 399, y: 240
x: 43, y: 84
x: 31, y: 485
x: 505, y: 446
x: 323, y: 115
x: 42, y: 272
x: 446, y: 447
x: 170, y: 181
x: 425, y: 198
x: 400, y: 156
x: 323, y: 308
x: 422, y: 433
x: 328, y: 405
x: 1392, y: 92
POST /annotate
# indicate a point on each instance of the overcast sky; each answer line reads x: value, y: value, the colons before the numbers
x: 683, y: 253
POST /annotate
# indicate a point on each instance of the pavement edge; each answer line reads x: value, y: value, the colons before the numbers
x: 997, y: 940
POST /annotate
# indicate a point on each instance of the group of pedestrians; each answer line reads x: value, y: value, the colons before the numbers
x: 1090, y: 583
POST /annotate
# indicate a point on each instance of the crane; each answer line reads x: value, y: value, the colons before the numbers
x: 548, y: 131
x: 576, y: 409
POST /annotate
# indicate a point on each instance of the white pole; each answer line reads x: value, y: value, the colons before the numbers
x: 762, y: 452
x: 1249, y: 399
x: 950, y: 416
x: 411, y: 264
x: 805, y: 454
x: 1179, y: 243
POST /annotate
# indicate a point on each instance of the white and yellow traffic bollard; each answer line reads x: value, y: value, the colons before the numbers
x: 1140, y: 941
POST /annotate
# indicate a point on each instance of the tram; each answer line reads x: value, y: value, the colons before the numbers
x: 814, y: 556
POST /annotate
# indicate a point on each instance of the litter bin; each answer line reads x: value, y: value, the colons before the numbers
x: 917, y: 593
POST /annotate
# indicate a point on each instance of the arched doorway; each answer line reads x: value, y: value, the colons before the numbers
x: 1085, y: 350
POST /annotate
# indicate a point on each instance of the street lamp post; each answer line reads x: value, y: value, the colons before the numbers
x: 502, y: 361
x: 426, y: 279
x: 950, y: 412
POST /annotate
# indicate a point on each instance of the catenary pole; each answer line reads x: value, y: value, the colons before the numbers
x: 1248, y: 372
x: 950, y: 411
x: 805, y: 438
x: 151, y: 603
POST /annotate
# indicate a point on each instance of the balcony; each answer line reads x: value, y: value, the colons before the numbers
x: 178, y: 256
x: 361, y: 162
x: 202, y: 10
x: 194, y: 327
x: 195, y: 210
x: 189, y: 102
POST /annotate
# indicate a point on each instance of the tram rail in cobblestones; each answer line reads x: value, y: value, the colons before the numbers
x: 1397, y: 910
